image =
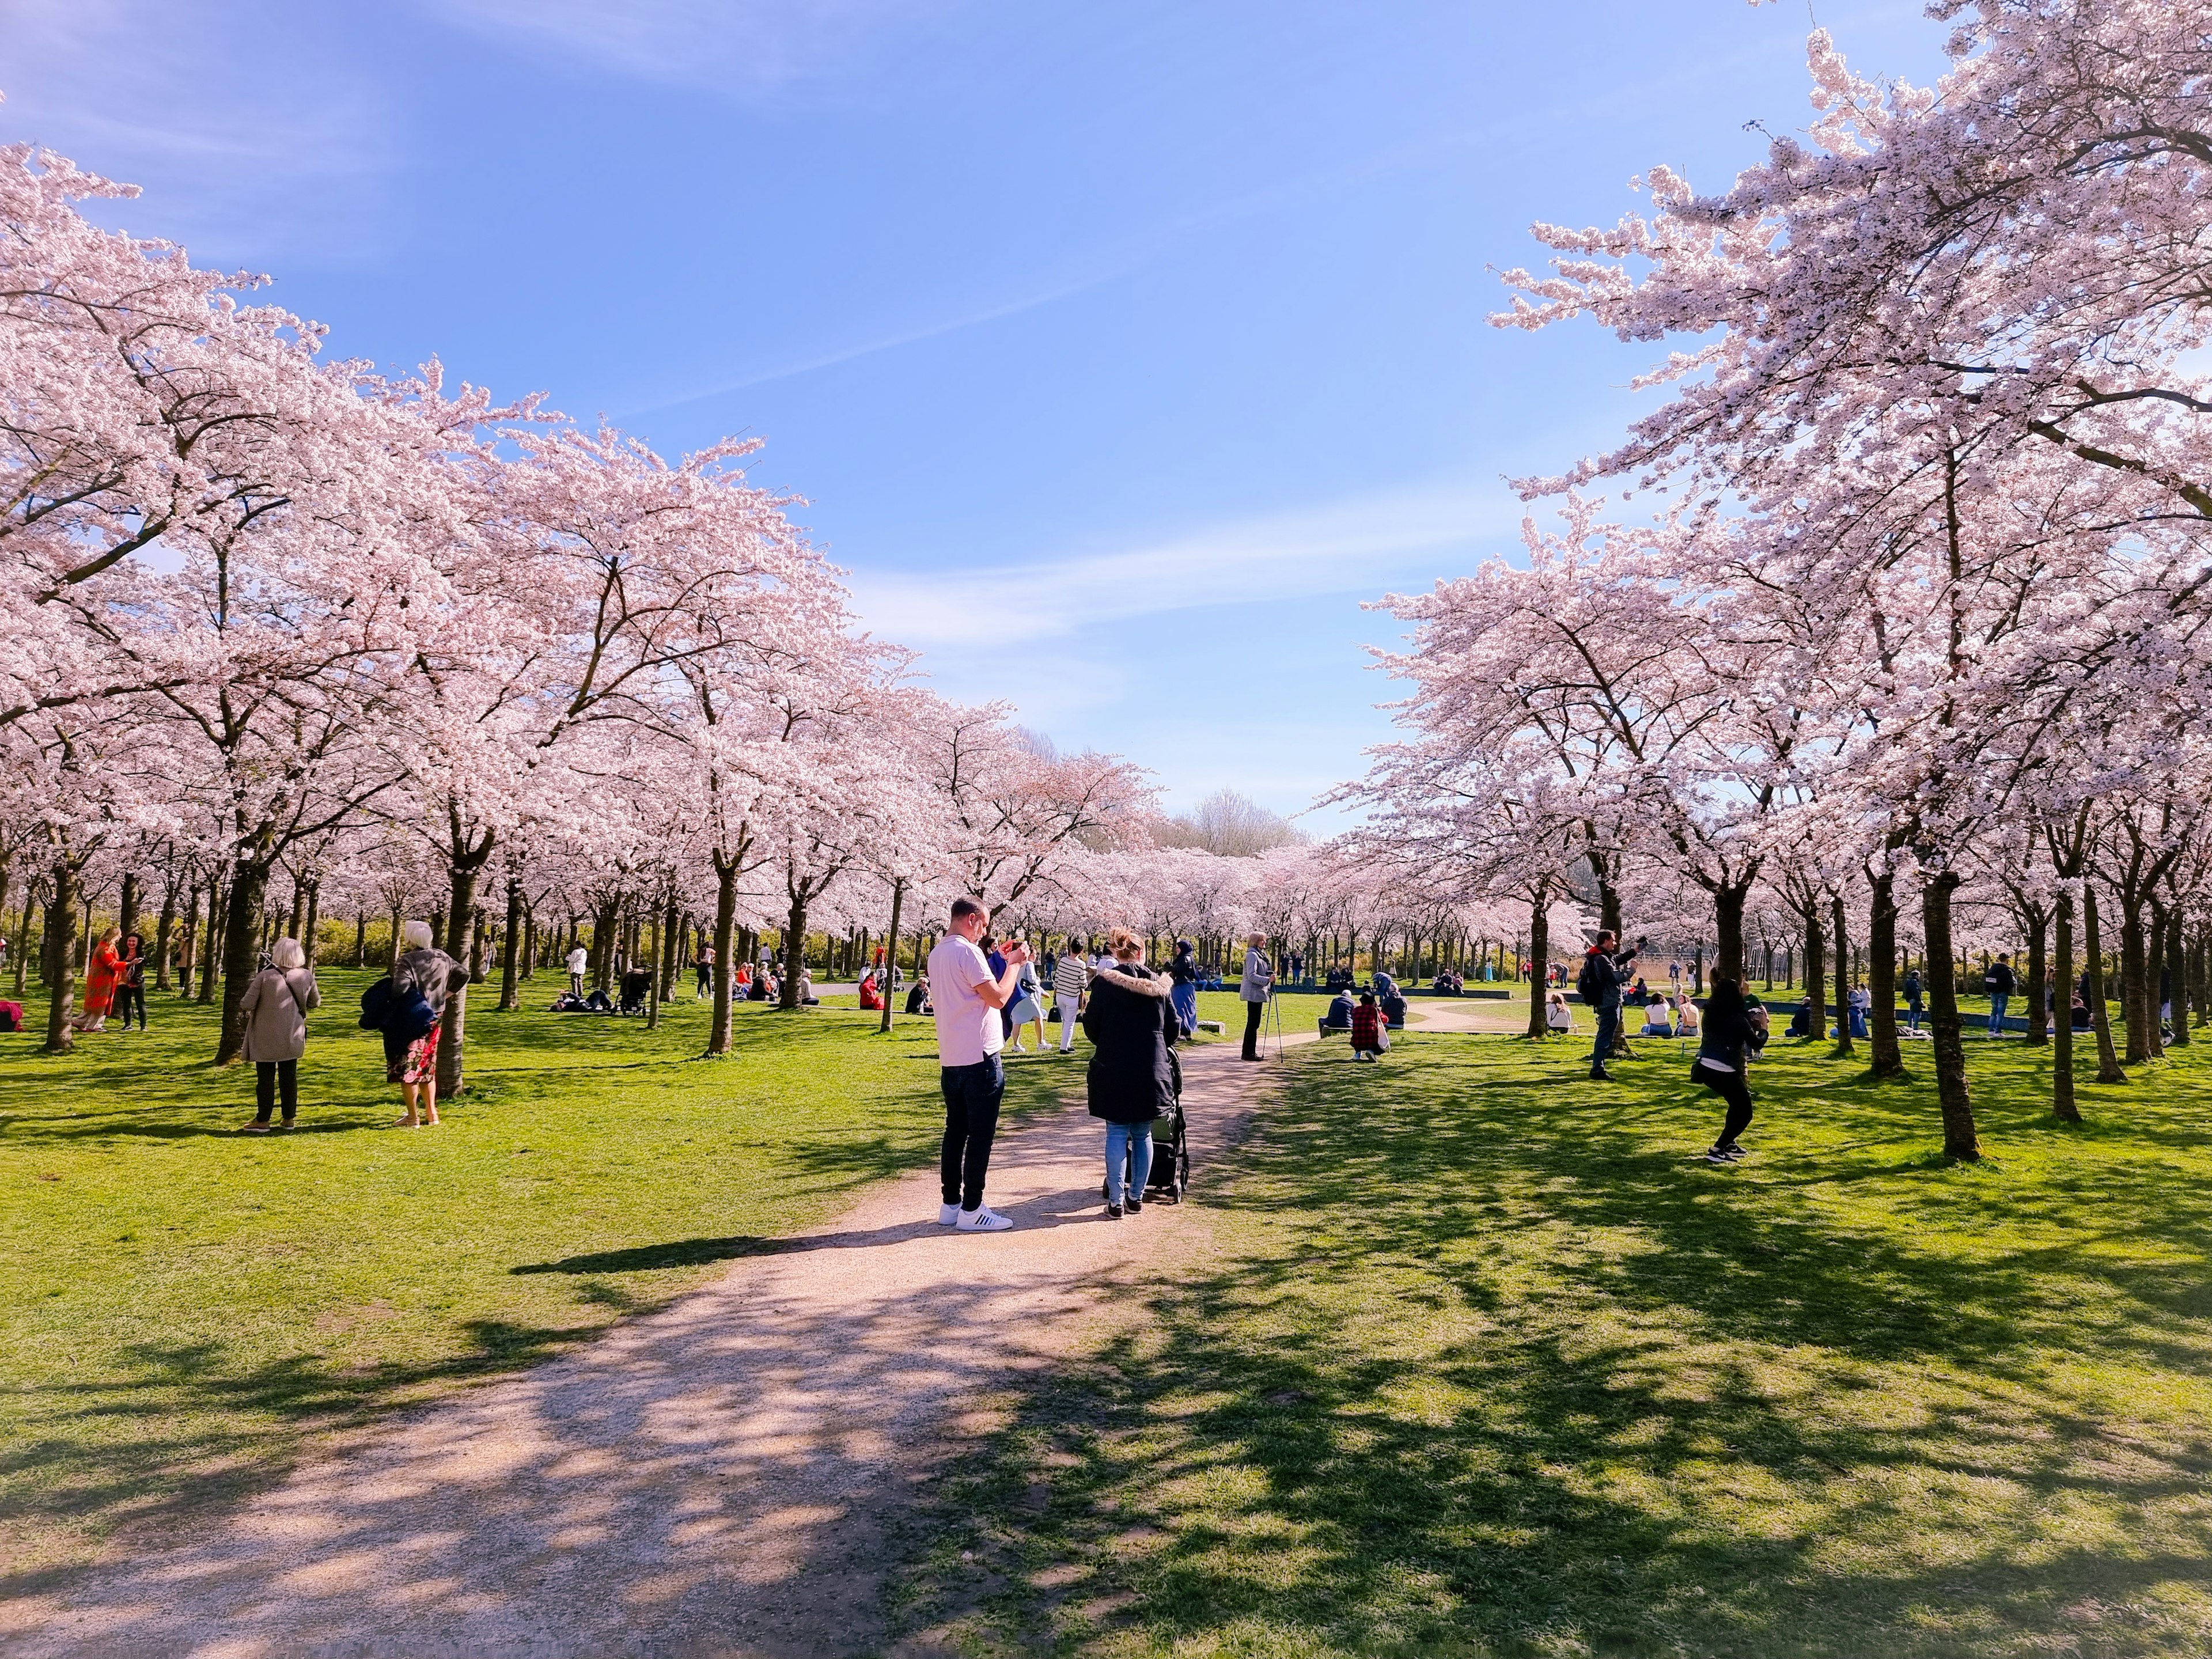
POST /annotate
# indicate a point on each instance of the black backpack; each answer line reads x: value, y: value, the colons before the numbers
x: 1586, y: 981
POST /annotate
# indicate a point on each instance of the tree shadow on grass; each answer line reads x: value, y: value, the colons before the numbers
x: 1501, y: 1372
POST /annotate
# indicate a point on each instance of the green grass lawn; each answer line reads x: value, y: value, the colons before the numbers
x: 185, y: 1307
x: 1489, y: 1362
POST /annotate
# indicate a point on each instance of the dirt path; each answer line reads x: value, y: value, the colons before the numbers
x: 721, y: 1478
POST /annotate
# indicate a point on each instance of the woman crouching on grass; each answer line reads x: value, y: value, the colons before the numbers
x: 1132, y: 1025
x: 1730, y: 1037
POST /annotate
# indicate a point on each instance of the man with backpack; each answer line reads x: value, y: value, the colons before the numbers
x: 1603, y: 974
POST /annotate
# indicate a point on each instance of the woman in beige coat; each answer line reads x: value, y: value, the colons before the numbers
x: 276, y: 1007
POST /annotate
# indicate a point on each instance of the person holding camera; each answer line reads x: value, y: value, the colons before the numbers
x: 1605, y: 970
x: 968, y: 998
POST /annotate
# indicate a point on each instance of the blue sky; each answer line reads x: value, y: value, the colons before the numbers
x: 1121, y: 351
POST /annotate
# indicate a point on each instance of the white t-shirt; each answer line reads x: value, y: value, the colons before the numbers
x: 967, y: 1028
x: 577, y: 960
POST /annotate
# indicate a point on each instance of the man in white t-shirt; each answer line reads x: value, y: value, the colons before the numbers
x: 966, y: 998
x: 577, y: 963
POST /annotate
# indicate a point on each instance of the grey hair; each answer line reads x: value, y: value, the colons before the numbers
x: 286, y: 954
x: 417, y: 935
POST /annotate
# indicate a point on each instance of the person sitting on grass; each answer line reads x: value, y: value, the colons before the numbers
x: 917, y: 995
x: 871, y: 998
x: 1655, y: 1022
x: 1558, y: 1017
x: 1368, y: 1041
x: 1686, y: 1016
x: 1338, y: 1017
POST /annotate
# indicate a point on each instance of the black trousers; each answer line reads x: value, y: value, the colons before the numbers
x: 705, y: 974
x: 972, y: 1096
x: 269, y: 1077
x: 1731, y: 1088
x: 130, y: 998
x: 1252, y: 1012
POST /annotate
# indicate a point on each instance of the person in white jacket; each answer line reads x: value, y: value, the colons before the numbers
x: 578, y: 961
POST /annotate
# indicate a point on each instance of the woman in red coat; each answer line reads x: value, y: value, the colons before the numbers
x: 101, y: 973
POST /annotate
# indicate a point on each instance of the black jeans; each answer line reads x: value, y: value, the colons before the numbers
x: 127, y: 999
x: 972, y: 1094
x: 1731, y: 1087
x: 1609, y: 1028
x: 1252, y: 1012
x: 270, y: 1076
x: 705, y: 974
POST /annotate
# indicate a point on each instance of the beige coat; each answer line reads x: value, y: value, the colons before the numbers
x: 275, y: 1011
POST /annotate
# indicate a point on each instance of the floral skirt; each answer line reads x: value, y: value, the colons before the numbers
x: 419, y: 1064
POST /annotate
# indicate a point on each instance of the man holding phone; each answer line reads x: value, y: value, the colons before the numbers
x: 966, y: 998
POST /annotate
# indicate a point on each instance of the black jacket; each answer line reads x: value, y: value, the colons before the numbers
x: 1725, y: 1038
x: 1132, y: 1026
x: 1602, y: 976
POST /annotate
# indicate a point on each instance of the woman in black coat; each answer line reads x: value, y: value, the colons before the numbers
x: 1731, y: 1035
x: 1130, y: 1026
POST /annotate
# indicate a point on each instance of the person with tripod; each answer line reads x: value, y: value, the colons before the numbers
x: 1256, y: 987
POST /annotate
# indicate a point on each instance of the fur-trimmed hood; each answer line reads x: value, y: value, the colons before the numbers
x: 1141, y: 981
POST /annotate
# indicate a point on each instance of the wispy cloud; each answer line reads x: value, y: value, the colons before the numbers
x: 244, y: 155
x: 1352, y: 545
x: 742, y: 45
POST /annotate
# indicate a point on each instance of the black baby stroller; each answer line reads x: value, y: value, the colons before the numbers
x: 634, y: 985
x: 1170, y: 1174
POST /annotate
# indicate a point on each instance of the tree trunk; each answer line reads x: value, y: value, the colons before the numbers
x: 2039, y: 964
x: 212, y: 941
x: 2134, y: 995
x: 2062, y: 1106
x: 605, y: 932
x: 2153, y: 961
x: 399, y: 919
x: 1539, y: 953
x: 1816, y: 971
x: 2177, y: 978
x: 1837, y: 921
x: 1728, y: 918
x: 794, y: 954
x: 725, y: 910
x: 241, y: 954
x: 312, y: 924
x: 61, y: 920
x: 165, y: 928
x: 1887, y: 1056
x: 888, y: 982
x: 1958, y: 1137
x: 453, y: 1038
x: 23, y: 937
x: 671, y: 953
x: 2108, y: 1063
x: 663, y: 940
x: 126, y: 907
x: 510, y: 959
x: 361, y: 936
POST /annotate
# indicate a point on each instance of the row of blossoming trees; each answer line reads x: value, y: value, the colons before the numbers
x: 286, y: 640
x: 1920, y: 606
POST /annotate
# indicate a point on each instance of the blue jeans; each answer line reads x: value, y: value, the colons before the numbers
x: 1998, y: 999
x: 972, y: 1094
x: 1608, y: 1027
x: 1914, y: 1024
x: 1120, y: 1140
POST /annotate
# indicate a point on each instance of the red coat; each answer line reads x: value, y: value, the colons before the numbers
x: 100, y: 975
x: 1366, y: 1027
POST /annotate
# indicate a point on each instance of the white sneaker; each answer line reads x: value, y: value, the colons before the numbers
x: 985, y: 1220
x: 947, y: 1214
